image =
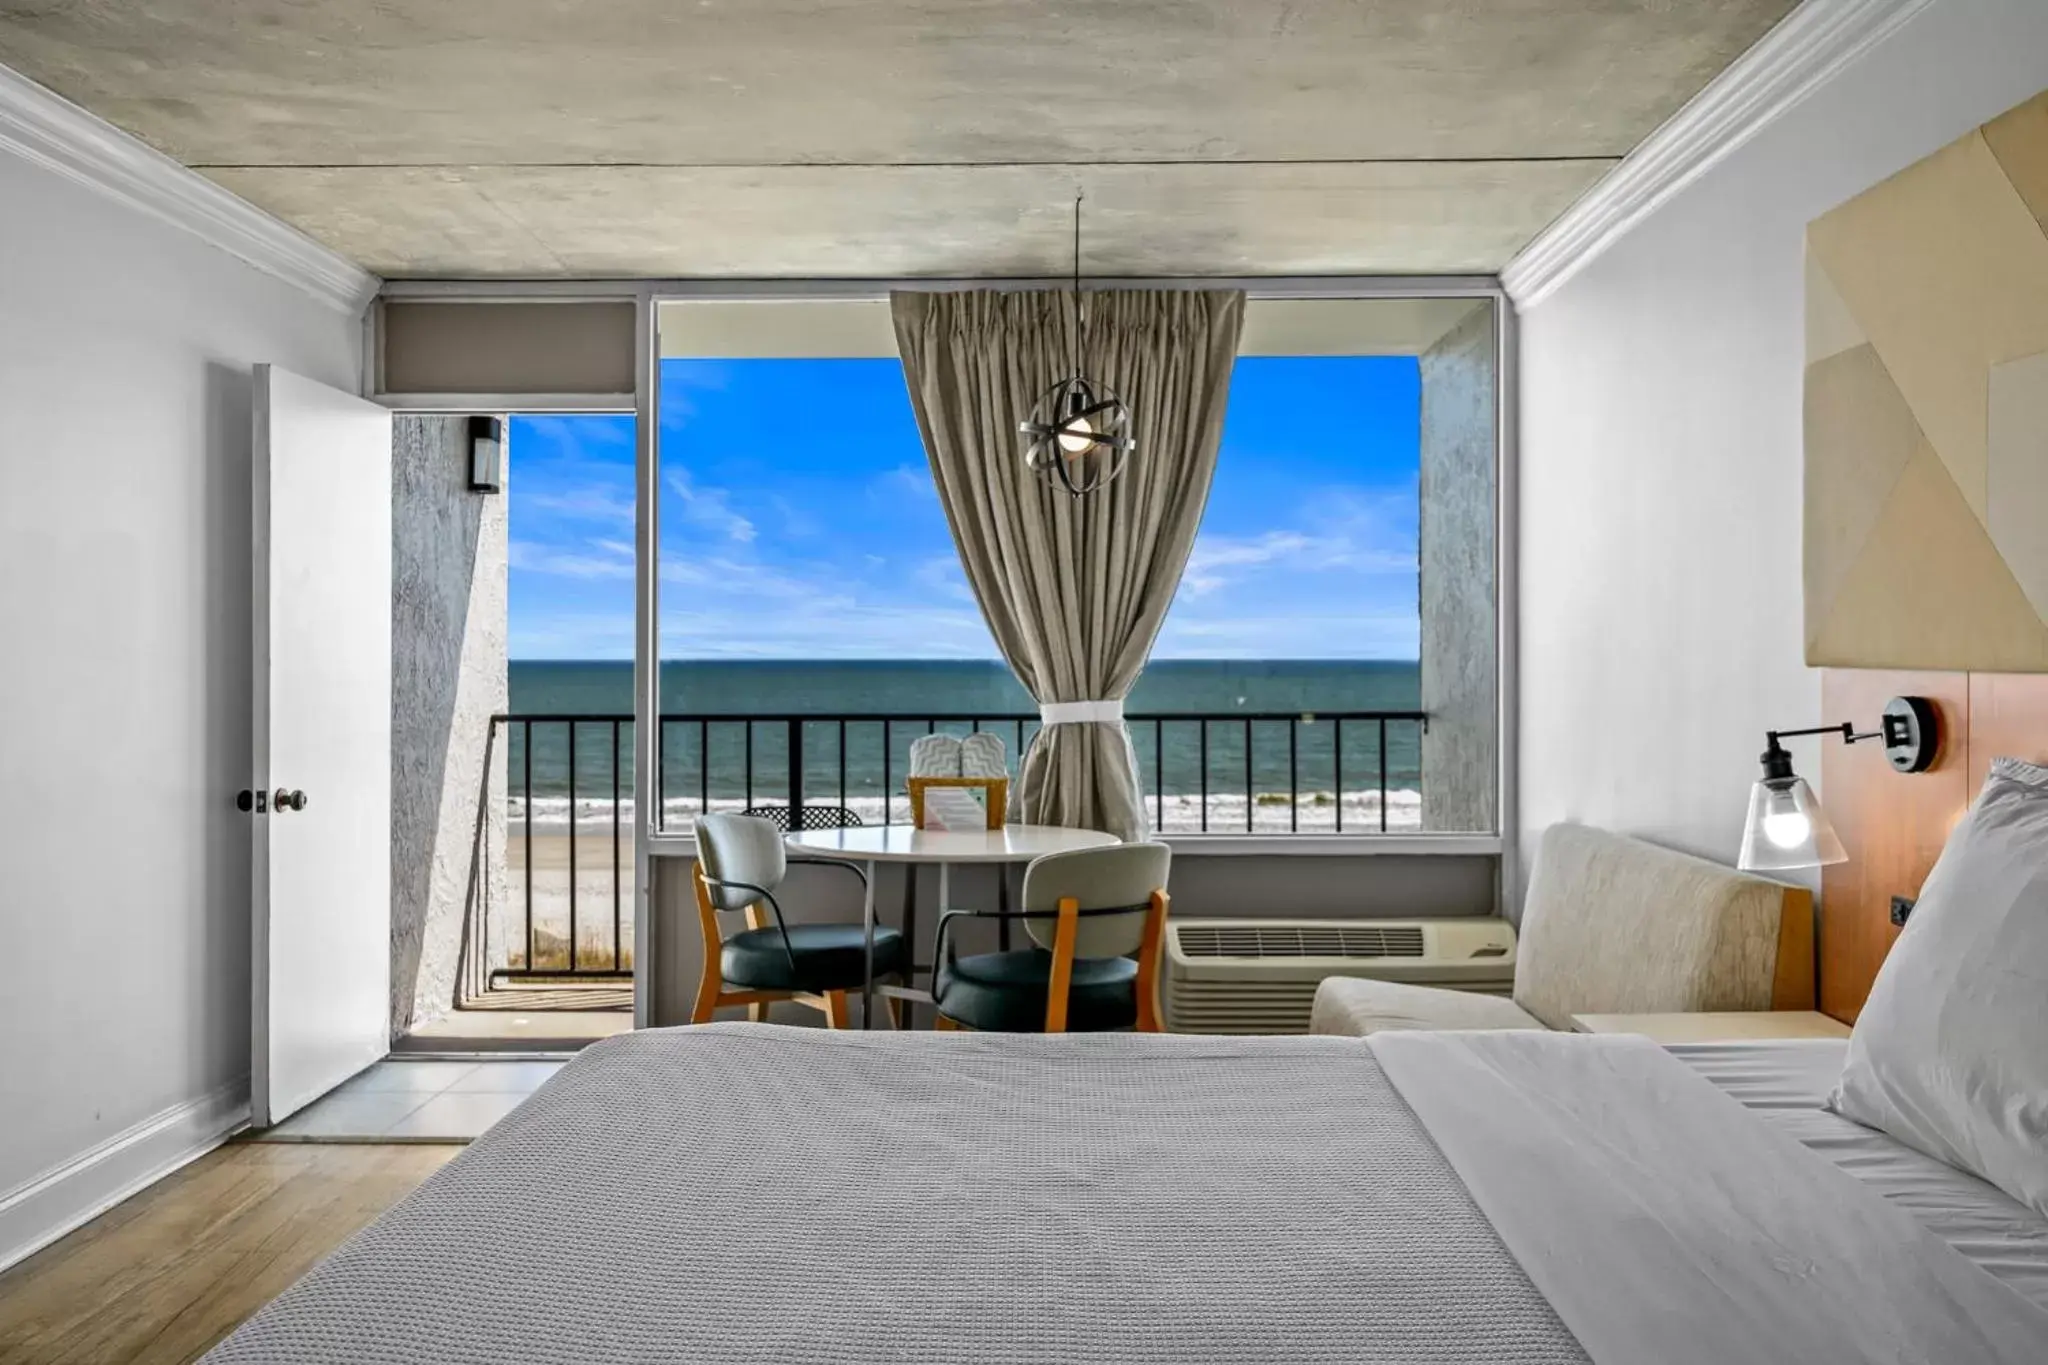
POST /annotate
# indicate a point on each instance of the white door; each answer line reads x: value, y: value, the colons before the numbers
x: 321, y: 795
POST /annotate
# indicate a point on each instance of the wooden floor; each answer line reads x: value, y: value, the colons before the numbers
x: 164, y: 1276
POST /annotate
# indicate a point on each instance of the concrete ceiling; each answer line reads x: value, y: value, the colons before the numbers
x: 537, y: 138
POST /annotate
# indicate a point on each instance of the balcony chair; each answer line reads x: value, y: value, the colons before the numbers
x: 741, y: 862
x: 1087, y: 911
x: 807, y: 817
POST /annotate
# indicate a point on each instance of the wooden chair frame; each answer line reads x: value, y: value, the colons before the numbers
x: 998, y: 789
x: 714, y: 994
x: 1151, y: 952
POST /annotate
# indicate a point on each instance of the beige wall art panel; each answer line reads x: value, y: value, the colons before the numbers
x: 2018, y: 472
x: 1927, y: 412
x: 2020, y: 142
x: 1859, y: 436
x: 1830, y: 327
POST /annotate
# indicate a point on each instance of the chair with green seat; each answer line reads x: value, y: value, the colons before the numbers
x: 1098, y: 918
x: 741, y: 863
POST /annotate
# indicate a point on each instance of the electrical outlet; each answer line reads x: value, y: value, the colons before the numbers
x: 1902, y: 906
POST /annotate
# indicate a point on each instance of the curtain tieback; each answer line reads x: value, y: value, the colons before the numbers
x: 1081, y: 712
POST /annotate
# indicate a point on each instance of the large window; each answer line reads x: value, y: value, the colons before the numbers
x: 1327, y: 664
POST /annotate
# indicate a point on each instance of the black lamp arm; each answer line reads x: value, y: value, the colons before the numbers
x: 1909, y: 728
x: 1849, y: 733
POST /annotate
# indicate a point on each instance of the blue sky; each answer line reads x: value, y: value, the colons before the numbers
x: 799, y: 521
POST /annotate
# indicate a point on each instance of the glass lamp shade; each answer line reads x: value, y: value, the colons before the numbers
x: 1787, y: 829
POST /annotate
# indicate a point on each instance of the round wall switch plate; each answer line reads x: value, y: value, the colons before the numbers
x: 1912, y: 733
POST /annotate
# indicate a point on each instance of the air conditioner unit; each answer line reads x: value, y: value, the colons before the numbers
x: 1260, y: 975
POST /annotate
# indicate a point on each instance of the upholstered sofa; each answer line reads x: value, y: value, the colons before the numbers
x: 1613, y: 925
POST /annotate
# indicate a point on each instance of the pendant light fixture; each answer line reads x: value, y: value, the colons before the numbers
x: 1079, y: 432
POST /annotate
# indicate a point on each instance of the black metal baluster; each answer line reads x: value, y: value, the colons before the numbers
x: 842, y: 765
x: 618, y: 953
x: 1204, y: 723
x: 796, y: 773
x: 1293, y: 779
x: 703, y: 767
x: 528, y: 779
x: 886, y: 729
x: 1249, y: 795
x: 1337, y: 768
x: 1383, y: 774
x: 572, y: 846
x: 1158, y: 773
x: 657, y: 819
x: 747, y: 759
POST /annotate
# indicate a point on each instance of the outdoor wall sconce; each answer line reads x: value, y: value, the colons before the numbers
x: 1787, y: 828
x: 486, y: 455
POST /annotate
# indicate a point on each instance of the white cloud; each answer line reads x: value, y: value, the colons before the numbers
x: 1353, y: 530
x: 710, y: 508
x: 1318, y: 633
x: 942, y: 574
x: 592, y: 502
x: 818, y: 629
x: 612, y: 559
x: 905, y: 483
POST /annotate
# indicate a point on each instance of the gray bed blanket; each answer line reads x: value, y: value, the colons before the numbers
x: 745, y: 1192
x: 1665, y: 1224
x: 750, y: 1193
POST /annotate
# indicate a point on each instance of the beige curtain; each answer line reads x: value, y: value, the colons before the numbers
x: 1074, y: 589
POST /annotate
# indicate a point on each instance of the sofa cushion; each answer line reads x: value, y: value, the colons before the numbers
x: 1613, y: 925
x: 1354, y: 1007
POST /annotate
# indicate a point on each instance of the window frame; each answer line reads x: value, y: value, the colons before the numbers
x: 648, y: 295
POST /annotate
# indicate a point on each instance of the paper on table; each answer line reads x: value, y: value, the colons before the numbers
x: 953, y: 808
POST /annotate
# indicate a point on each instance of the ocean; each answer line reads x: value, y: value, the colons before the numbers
x: 750, y: 761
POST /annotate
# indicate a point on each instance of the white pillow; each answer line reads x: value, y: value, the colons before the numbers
x: 1950, y: 1054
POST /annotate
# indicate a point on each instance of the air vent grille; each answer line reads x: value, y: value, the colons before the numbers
x: 1354, y: 941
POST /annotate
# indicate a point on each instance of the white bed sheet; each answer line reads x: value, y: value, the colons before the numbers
x: 1786, y: 1082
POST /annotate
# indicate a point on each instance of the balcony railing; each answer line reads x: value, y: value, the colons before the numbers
x: 569, y: 784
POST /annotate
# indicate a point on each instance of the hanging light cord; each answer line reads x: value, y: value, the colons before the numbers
x: 1080, y: 316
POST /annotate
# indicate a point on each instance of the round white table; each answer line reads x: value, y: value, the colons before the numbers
x: 873, y: 844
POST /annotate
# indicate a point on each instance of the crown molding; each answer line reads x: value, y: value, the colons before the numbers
x: 49, y: 131
x: 1806, y: 50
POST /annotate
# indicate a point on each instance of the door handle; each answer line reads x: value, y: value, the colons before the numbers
x: 288, y: 800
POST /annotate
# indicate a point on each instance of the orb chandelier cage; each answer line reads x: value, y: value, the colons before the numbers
x: 1079, y: 431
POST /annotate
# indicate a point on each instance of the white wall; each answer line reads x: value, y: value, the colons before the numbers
x: 1661, y: 629
x: 125, y: 348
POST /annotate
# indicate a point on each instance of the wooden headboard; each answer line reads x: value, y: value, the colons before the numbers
x: 1894, y: 824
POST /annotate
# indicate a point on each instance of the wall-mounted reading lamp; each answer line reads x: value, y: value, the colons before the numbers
x: 486, y: 455
x: 1787, y: 828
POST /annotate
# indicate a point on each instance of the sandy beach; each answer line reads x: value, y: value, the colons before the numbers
x: 1271, y: 813
x: 551, y: 900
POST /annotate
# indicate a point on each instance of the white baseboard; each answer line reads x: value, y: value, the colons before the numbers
x: 70, y: 1195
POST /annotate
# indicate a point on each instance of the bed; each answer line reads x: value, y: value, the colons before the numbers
x: 747, y: 1192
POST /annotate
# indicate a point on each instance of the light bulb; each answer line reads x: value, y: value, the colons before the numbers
x: 1076, y: 436
x: 1788, y: 829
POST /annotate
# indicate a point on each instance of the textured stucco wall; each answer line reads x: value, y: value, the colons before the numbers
x: 448, y: 678
x: 1458, y: 617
